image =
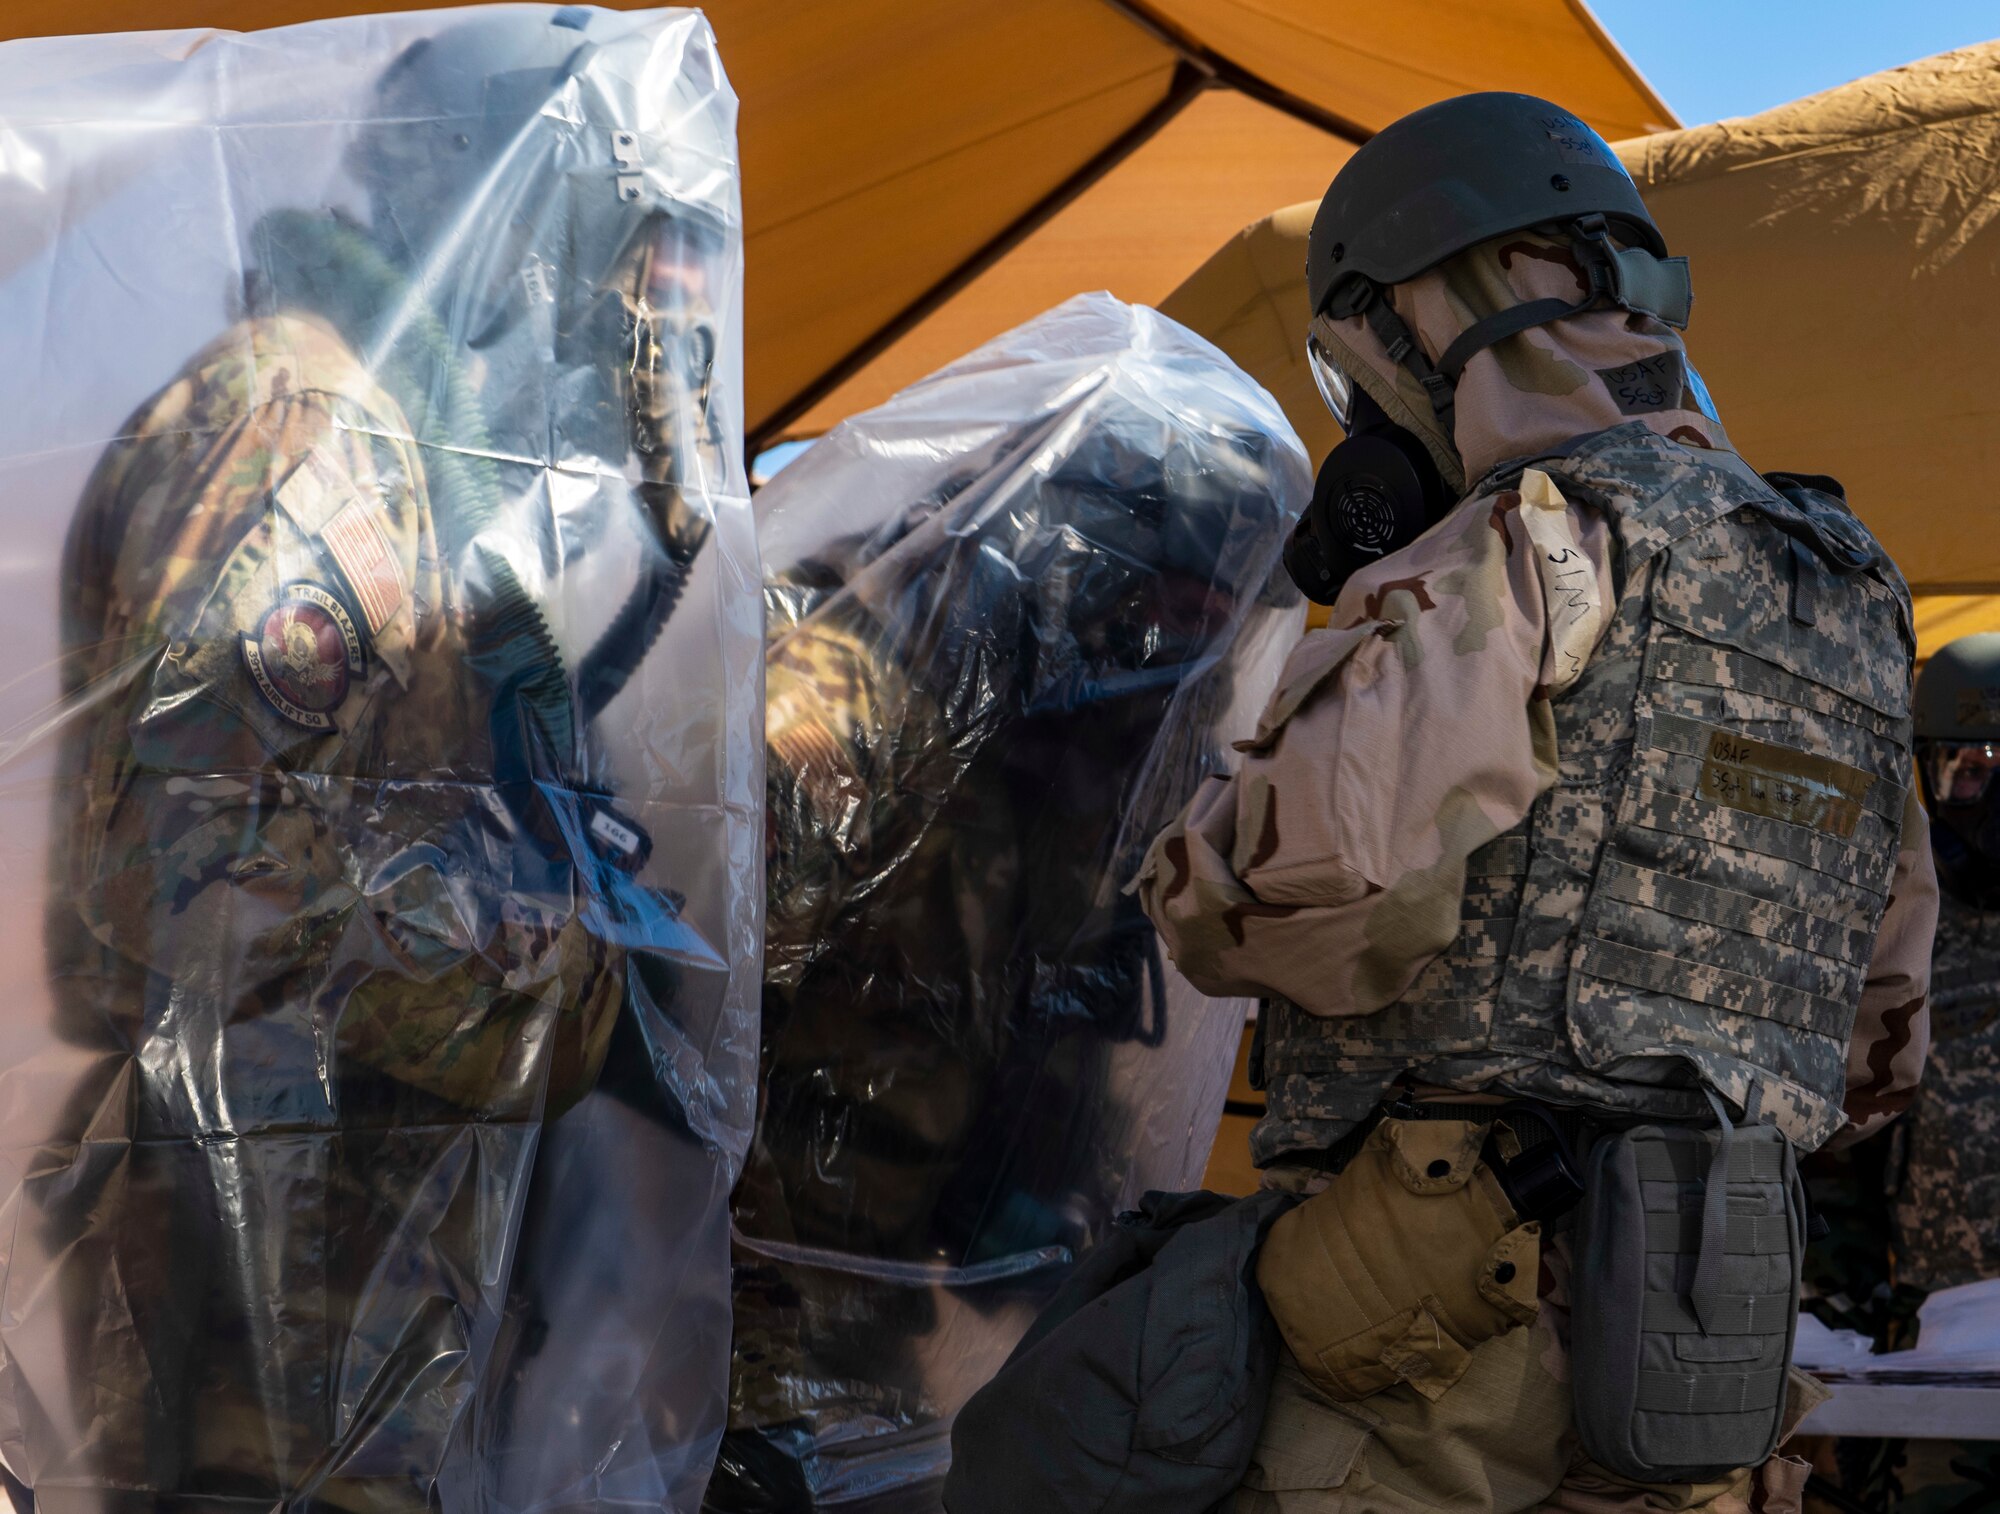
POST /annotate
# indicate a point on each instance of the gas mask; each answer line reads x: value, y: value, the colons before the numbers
x: 1961, y: 781
x: 1377, y: 492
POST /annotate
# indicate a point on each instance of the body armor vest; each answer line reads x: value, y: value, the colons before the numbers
x: 1695, y: 901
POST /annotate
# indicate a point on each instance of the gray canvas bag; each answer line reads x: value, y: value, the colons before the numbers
x: 1686, y: 1298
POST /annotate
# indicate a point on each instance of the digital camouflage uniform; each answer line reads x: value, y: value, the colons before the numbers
x: 327, y: 1016
x: 1597, y: 794
x: 1948, y: 1203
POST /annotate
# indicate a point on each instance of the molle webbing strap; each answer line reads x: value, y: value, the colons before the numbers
x: 1710, y: 1305
x: 1728, y: 1314
x: 1711, y: 1393
x: 1746, y: 1235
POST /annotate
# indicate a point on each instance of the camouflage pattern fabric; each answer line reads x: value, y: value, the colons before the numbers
x: 1667, y: 856
x: 326, y: 1009
x: 858, y: 773
x: 1948, y: 1204
x: 855, y: 775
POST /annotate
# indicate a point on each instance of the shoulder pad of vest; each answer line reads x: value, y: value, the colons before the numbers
x: 1822, y: 520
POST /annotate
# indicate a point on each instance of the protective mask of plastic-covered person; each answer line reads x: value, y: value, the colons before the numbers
x: 652, y: 304
x: 494, y: 341
x: 481, y: 288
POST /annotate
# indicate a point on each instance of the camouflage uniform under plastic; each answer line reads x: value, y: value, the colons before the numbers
x: 912, y: 978
x: 327, y: 1017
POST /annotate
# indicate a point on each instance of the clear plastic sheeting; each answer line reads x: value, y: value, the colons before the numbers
x: 1015, y: 615
x: 379, y: 763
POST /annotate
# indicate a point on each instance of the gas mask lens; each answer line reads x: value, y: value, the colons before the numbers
x: 1961, y: 772
x: 1334, y: 385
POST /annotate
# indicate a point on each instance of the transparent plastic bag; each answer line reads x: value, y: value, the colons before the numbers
x: 1015, y: 615
x: 381, y: 760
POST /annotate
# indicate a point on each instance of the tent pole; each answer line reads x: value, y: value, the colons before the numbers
x: 1225, y: 71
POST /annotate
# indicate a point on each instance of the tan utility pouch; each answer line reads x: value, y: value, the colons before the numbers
x: 1407, y: 1262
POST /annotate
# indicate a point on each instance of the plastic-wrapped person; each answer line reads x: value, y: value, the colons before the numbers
x: 1014, y: 616
x: 353, y: 894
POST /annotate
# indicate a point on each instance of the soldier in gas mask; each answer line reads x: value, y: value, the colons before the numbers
x: 1583, y: 843
x: 1948, y: 1214
x: 344, y: 901
x: 1924, y: 1213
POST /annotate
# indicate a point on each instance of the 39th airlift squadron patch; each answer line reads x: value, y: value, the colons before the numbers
x: 306, y: 655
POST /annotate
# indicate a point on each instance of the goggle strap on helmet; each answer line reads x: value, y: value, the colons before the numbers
x: 1629, y: 278
x: 1633, y: 278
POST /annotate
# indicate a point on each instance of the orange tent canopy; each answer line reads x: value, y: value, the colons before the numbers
x: 892, y: 153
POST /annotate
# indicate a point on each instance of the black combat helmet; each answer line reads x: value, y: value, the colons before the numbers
x: 1452, y: 175
x: 1958, y: 696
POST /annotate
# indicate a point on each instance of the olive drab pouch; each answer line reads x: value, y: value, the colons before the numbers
x: 1405, y: 1264
x: 1686, y: 1298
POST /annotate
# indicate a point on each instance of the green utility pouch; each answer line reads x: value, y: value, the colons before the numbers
x: 1686, y: 1297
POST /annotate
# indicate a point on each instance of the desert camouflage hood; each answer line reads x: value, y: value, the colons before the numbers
x: 1528, y: 393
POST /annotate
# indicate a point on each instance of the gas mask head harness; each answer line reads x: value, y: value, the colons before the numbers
x: 1428, y: 187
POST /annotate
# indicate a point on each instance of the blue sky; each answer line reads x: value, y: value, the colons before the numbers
x: 1716, y: 58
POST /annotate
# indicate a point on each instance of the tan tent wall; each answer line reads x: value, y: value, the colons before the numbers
x: 892, y: 151
x: 1846, y: 255
x: 1847, y: 284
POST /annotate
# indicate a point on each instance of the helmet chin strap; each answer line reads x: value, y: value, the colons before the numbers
x: 1626, y: 278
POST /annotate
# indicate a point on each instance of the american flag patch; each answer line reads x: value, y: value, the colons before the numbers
x: 368, y: 563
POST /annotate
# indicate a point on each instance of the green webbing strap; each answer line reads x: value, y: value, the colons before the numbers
x: 1745, y: 1235
x: 1732, y: 1314
x: 1502, y: 324
x: 1394, y: 334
